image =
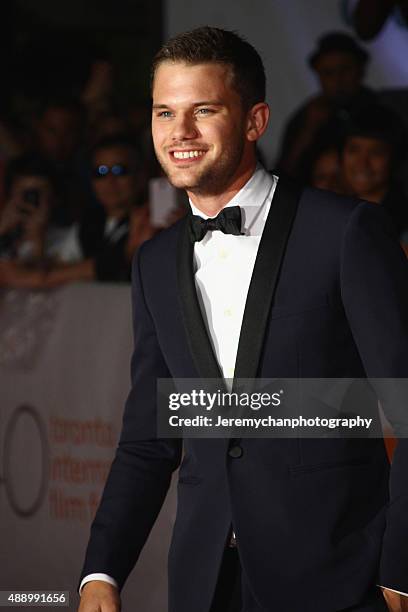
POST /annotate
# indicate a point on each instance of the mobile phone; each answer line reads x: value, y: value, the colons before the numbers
x: 32, y: 196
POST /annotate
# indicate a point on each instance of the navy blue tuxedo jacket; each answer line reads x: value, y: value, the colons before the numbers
x: 318, y: 522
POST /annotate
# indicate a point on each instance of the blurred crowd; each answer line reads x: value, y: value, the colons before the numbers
x: 76, y: 182
x: 80, y: 190
x: 349, y: 138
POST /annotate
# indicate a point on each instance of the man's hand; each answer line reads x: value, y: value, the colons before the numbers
x: 99, y: 596
x: 395, y: 601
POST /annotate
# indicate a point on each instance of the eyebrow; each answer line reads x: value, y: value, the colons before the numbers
x: 201, y: 103
x: 209, y: 103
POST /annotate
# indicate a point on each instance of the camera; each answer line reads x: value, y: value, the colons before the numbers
x: 31, y: 196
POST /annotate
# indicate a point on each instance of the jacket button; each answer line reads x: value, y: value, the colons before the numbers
x: 235, y: 452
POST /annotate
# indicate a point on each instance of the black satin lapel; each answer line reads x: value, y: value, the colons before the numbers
x: 200, y: 345
x: 265, y: 277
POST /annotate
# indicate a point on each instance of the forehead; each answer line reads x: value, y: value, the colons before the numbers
x: 117, y: 152
x: 369, y: 142
x: 178, y: 82
x: 30, y: 181
x: 329, y: 155
x: 334, y: 59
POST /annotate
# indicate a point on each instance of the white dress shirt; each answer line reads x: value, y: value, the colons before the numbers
x: 223, y: 266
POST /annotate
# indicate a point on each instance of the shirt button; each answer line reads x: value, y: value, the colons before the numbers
x: 233, y: 541
x: 222, y: 254
x: 235, y: 452
x: 228, y: 312
x: 230, y: 372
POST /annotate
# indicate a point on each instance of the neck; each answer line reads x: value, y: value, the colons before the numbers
x: 211, y: 204
x: 117, y: 212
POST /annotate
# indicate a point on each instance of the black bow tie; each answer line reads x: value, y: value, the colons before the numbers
x: 227, y: 221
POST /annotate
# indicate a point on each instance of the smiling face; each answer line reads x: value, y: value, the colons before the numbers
x: 202, y: 135
x: 367, y: 166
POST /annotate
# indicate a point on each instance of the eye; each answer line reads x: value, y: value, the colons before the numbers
x: 164, y: 114
x: 204, y: 111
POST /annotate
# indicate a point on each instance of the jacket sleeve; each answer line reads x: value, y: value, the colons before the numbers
x: 141, y: 471
x: 374, y: 283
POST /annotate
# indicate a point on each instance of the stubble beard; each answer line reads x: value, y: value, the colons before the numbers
x: 211, y: 179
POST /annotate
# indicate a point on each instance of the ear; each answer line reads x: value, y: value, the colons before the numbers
x: 257, y: 121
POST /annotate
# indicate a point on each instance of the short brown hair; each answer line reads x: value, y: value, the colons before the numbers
x: 207, y: 44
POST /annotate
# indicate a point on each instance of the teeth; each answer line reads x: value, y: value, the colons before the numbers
x: 187, y: 154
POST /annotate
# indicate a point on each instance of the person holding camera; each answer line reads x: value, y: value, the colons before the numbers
x: 25, y: 217
x: 101, y: 245
x: 30, y: 240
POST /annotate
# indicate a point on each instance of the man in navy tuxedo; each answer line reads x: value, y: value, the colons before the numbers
x: 262, y: 280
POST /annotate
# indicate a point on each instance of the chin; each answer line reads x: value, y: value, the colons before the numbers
x: 111, y: 207
x: 363, y: 188
x: 183, y: 181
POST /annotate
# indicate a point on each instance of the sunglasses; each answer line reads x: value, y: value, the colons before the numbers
x: 116, y: 170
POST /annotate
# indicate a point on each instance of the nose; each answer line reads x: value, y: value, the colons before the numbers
x: 363, y: 161
x: 184, y: 127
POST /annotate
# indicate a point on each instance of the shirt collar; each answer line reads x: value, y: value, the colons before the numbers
x: 251, y: 197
